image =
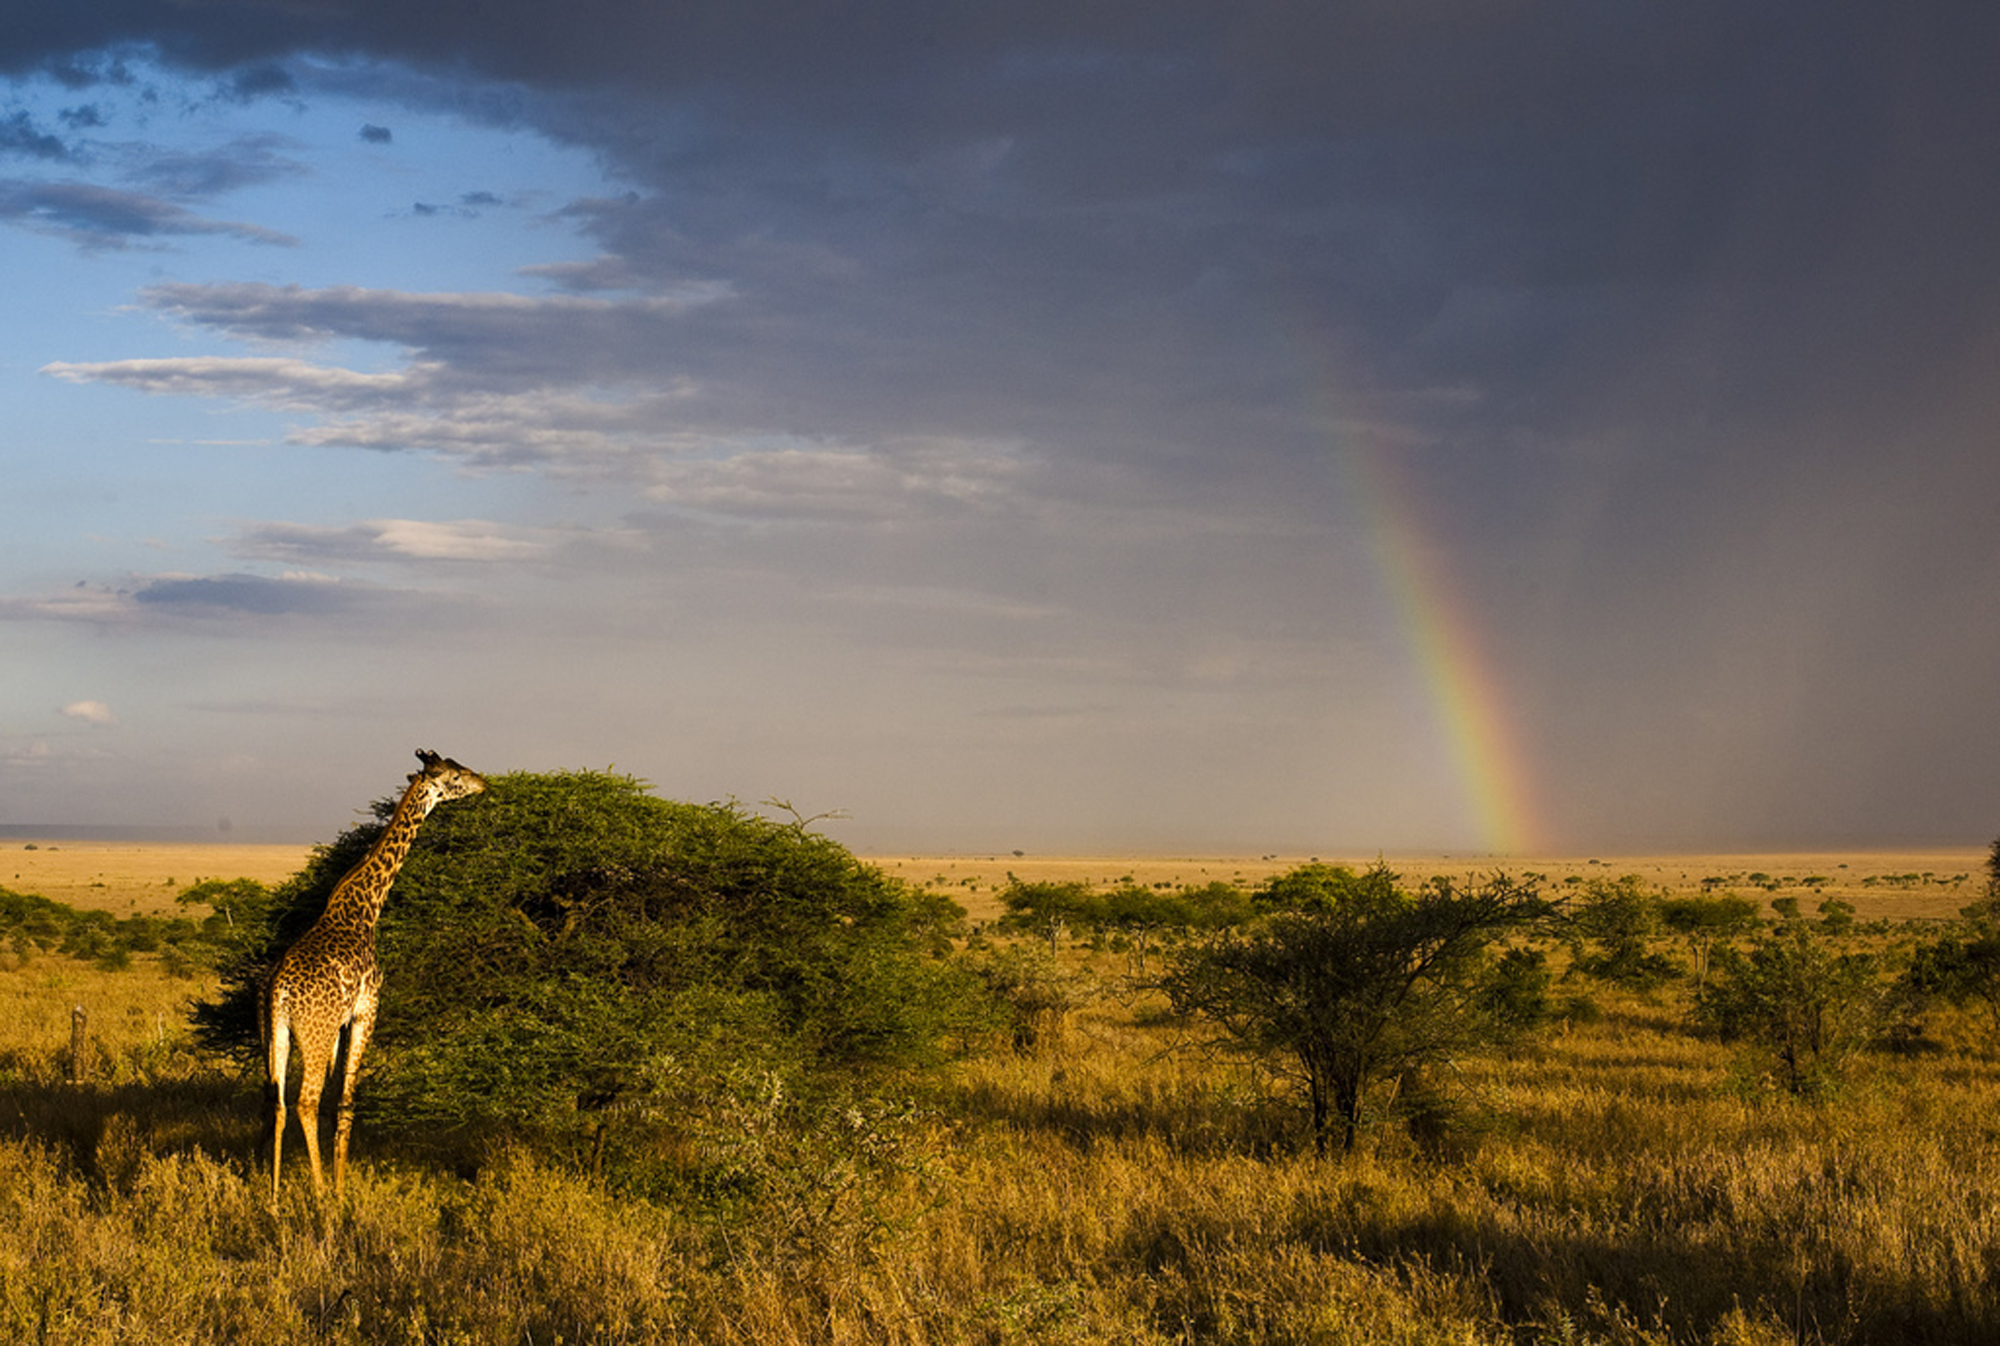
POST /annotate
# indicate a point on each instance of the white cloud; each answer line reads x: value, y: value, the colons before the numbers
x: 570, y: 431
x: 394, y: 539
x: 423, y: 406
x: 485, y: 321
x: 842, y: 483
x: 84, y: 603
x: 36, y: 754
x: 90, y: 712
x: 297, y: 385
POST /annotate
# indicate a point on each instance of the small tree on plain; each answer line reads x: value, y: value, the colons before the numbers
x: 1705, y: 920
x: 1350, y: 980
x: 1798, y: 995
x: 1611, y: 932
x: 1045, y: 910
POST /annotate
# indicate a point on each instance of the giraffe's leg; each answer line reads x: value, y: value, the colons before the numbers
x: 358, y: 1033
x: 314, y: 1058
x: 277, y: 1058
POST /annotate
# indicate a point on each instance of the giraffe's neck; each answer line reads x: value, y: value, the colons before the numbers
x: 357, y: 899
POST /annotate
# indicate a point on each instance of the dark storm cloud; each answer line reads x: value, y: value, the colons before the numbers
x: 1371, y: 161
x: 260, y: 81
x: 20, y: 136
x: 1523, y: 195
x: 1679, y: 320
x: 1730, y: 210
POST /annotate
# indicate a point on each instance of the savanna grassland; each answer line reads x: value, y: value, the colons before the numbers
x: 135, y: 877
x: 1621, y: 1176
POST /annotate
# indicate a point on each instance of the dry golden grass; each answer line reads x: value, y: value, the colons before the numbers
x: 1620, y: 1183
x: 123, y: 1010
x: 135, y: 878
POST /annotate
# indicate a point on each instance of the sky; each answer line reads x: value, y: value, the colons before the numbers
x: 1498, y: 428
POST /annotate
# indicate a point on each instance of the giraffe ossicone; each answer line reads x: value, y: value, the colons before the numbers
x: 329, y: 980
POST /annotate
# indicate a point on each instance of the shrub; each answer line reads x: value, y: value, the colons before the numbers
x: 1797, y: 996
x: 1035, y: 992
x: 1140, y: 915
x: 1610, y: 933
x: 1350, y: 980
x: 1963, y: 964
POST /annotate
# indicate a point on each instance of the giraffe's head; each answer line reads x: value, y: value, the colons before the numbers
x: 445, y: 780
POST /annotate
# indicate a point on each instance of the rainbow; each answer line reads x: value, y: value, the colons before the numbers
x: 1464, y: 690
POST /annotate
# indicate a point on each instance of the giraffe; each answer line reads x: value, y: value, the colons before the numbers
x: 329, y: 980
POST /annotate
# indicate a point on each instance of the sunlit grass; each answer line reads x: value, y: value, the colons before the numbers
x: 1620, y: 1181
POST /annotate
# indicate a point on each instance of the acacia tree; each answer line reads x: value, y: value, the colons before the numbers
x: 1349, y: 980
x: 1702, y: 921
x: 1046, y: 909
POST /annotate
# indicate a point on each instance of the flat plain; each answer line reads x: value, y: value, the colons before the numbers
x: 143, y: 878
x: 136, y: 878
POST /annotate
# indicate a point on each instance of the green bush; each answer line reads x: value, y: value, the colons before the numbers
x: 1611, y: 932
x: 1801, y: 1000
x: 1351, y: 981
x: 34, y: 924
